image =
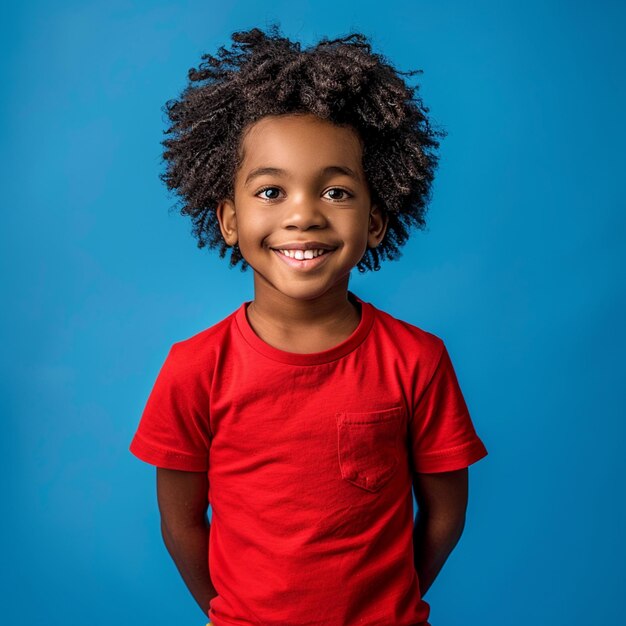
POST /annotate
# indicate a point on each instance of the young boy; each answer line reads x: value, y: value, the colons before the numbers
x: 307, y: 415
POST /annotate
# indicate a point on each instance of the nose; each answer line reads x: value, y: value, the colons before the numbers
x: 302, y: 212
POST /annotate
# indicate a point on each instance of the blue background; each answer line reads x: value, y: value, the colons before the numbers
x: 520, y: 272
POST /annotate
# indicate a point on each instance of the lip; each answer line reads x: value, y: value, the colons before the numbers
x: 304, y: 245
x: 305, y: 264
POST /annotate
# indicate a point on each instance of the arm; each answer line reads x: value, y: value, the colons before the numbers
x: 442, y: 501
x: 183, y: 504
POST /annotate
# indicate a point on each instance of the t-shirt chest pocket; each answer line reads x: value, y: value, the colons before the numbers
x: 368, y: 445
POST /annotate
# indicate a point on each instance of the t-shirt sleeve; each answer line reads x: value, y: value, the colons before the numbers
x: 174, y: 430
x: 442, y: 434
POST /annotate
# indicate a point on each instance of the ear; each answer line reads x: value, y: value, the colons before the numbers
x: 227, y: 219
x: 378, y: 221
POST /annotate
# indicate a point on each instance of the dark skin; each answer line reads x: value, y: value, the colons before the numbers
x: 442, y: 504
x: 317, y: 191
x: 321, y: 195
x: 182, y: 496
x: 183, y: 504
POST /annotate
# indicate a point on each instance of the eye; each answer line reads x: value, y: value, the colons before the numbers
x: 267, y: 189
x: 338, y: 189
x: 276, y: 192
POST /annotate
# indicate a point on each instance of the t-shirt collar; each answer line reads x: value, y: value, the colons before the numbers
x: 315, y: 358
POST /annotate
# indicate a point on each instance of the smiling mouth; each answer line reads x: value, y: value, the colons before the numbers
x: 300, y: 261
x: 302, y: 255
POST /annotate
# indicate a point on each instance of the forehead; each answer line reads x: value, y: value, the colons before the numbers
x: 300, y: 142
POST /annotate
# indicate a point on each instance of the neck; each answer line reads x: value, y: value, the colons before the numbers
x: 274, y: 309
x: 303, y: 324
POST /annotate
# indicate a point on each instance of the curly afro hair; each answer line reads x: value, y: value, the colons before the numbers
x: 339, y: 80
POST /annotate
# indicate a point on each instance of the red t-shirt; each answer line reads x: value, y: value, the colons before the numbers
x: 310, y: 460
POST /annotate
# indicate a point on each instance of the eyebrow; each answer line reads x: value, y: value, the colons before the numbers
x: 276, y: 171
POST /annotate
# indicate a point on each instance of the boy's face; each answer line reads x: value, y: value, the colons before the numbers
x: 316, y: 192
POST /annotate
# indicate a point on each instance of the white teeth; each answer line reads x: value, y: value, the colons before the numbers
x: 302, y: 254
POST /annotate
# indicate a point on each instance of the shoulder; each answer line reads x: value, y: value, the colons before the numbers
x: 408, y: 337
x: 200, y: 350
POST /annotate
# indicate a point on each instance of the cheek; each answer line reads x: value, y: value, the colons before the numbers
x: 355, y: 230
x: 253, y: 228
